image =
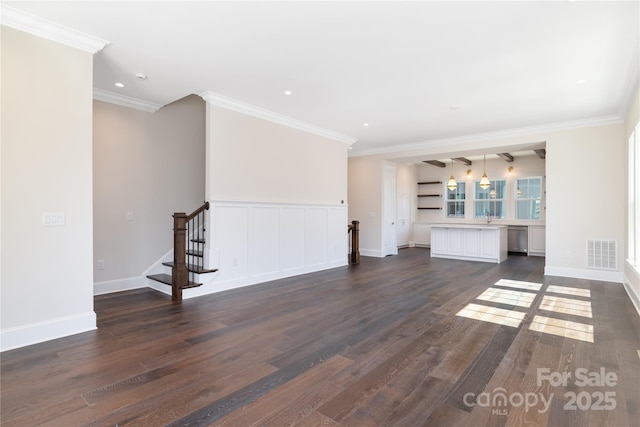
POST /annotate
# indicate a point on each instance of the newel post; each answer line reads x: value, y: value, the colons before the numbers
x: 354, y: 256
x: 179, y: 273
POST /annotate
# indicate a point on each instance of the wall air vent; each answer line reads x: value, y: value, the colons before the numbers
x: 602, y: 254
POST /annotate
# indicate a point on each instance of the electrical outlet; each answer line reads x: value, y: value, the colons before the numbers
x: 129, y: 216
x: 235, y: 262
x: 100, y: 264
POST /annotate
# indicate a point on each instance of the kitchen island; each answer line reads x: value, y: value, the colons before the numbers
x: 473, y: 242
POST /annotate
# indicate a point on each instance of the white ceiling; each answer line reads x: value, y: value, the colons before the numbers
x: 414, y: 71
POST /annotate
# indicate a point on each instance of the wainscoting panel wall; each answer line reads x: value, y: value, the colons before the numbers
x: 338, y: 238
x: 265, y: 237
x: 316, y: 237
x: 256, y: 242
x: 292, y: 254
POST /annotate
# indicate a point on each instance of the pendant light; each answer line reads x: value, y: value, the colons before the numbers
x: 452, y: 184
x: 484, y: 181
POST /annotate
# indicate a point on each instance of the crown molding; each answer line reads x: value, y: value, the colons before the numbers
x: 50, y: 30
x: 125, y: 101
x: 508, y: 133
x: 240, y: 107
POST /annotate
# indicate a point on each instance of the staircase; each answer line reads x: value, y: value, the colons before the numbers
x: 188, y: 253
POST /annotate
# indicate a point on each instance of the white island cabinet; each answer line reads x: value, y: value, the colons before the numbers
x: 487, y: 243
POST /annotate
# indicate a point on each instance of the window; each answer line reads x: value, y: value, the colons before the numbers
x: 455, y: 201
x: 490, y: 202
x: 633, y: 250
x: 528, y: 198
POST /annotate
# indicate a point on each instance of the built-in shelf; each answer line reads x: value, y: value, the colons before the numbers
x: 430, y: 195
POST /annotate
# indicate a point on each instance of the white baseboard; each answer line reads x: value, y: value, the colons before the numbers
x: 44, y: 331
x: 372, y: 253
x: 252, y: 242
x: 635, y: 299
x: 632, y: 284
x: 119, y: 285
x: 129, y: 283
x: 584, y: 273
x: 210, y: 285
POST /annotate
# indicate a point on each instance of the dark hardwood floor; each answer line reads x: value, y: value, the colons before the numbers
x: 380, y: 343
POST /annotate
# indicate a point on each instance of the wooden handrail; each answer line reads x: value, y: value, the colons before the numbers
x: 198, y: 211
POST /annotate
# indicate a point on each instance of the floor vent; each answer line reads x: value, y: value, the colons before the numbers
x: 602, y: 254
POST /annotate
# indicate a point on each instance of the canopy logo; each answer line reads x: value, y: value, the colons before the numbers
x: 597, y: 400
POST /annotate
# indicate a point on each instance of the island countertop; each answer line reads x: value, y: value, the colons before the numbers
x: 480, y: 226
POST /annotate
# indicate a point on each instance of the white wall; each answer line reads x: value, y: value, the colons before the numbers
x: 252, y: 159
x: 365, y: 202
x: 278, y: 201
x: 586, y: 198
x: 47, y: 277
x: 149, y: 164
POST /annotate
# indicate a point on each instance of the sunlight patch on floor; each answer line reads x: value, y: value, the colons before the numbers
x: 519, y: 284
x: 563, y: 328
x: 524, y: 297
x: 503, y: 296
x: 566, y: 306
x: 569, y: 291
x: 492, y: 314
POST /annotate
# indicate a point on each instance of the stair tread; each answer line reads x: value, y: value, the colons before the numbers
x: 198, y: 240
x: 193, y: 268
x: 194, y: 253
x: 166, y: 279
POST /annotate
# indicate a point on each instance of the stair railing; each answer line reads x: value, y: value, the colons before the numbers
x: 188, y: 249
x: 354, y: 229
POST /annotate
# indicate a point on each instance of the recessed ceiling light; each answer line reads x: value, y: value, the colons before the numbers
x: 287, y: 92
x: 365, y: 124
x: 581, y: 81
x: 453, y: 107
x: 141, y: 76
x: 118, y: 84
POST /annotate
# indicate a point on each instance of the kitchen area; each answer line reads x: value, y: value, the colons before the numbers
x: 482, y: 207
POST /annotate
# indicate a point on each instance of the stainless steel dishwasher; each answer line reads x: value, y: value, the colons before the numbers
x: 518, y: 239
